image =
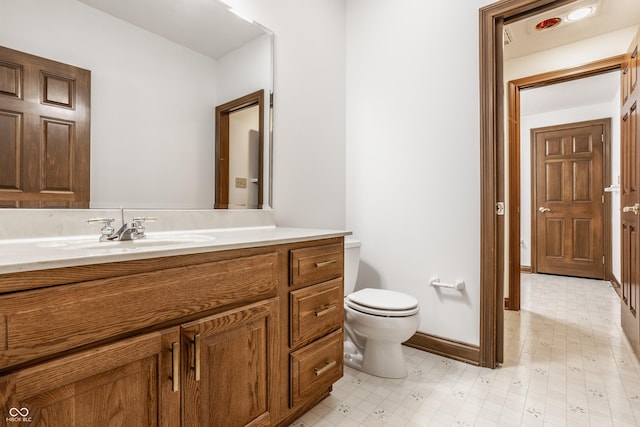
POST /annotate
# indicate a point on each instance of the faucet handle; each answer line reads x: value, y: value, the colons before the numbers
x: 141, y: 219
x: 106, y: 230
x: 138, y: 223
x: 106, y: 221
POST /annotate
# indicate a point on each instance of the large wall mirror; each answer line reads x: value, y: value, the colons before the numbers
x: 159, y: 69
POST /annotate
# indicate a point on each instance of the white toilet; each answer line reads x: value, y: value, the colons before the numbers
x: 376, y: 322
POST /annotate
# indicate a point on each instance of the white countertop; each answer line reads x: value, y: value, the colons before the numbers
x: 18, y: 255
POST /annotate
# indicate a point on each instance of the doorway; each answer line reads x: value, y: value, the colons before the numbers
x: 493, y: 182
x: 239, y: 153
x: 515, y: 87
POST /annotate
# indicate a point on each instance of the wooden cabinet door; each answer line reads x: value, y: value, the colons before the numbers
x: 227, y: 375
x: 128, y: 383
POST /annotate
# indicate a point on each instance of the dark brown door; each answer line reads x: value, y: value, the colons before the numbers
x: 44, y: 132
x: 630, y: 201
x: 568, y: 199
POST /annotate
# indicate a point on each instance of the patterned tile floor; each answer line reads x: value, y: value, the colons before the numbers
x: 567, y: 363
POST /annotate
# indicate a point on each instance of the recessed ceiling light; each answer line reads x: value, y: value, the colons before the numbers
x: 579, y: 14
x: 548, y: 23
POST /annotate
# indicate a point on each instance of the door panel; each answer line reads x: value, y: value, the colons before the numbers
x: 630, y: 206
x: 45, y: 132
x: 568, y: 187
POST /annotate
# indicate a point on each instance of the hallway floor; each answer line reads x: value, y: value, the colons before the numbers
x: 567, y: 363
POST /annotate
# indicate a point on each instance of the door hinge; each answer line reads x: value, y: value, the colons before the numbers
x: 602, y: 138
x: 603, y: 198
x: 500, y: 208
x: 603, y: 259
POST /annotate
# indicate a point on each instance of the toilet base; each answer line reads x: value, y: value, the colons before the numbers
x: 384, y: 359
x: 352, y: 357
x: 381, y: 358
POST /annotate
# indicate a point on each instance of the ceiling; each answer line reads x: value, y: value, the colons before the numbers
x: 611, y: 15
x: 203, y: 26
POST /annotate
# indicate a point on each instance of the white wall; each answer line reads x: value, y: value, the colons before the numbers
x: 240, y: 124
x: 309, y: 108
x: 413, y: 154
x: 245, y: 70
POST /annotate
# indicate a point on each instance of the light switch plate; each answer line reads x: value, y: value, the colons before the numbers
x: 241, y: 182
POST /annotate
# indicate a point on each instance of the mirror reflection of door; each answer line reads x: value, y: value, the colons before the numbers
x: 239, y: 153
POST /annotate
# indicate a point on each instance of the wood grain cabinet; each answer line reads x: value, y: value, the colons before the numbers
x: 316, y: 311
x: 212, y: 339
x: 127, y: 383
x: 227, y: 378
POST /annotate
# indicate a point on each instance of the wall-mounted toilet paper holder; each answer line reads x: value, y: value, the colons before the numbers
x: 435, y: 281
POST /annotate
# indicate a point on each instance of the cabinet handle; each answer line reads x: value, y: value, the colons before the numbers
x: 324, y: 311
x: 196, y: 356
x: 325, y: 263
x: 328, y: 365
x: 175, y: 366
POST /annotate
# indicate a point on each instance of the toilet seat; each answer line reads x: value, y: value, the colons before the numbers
x: 383, y: 302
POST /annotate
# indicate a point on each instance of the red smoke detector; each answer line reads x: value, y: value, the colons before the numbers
x: 548, y: 23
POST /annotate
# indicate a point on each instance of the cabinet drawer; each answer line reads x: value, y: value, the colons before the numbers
x: 315, y: 311
x: 316, y: 367
x: 37, y: 323
x: 316, y: 264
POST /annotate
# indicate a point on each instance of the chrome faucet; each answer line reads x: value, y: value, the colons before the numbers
x: 132, y: 230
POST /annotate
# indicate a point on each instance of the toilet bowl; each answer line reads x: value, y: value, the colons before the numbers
x: 376, y: 323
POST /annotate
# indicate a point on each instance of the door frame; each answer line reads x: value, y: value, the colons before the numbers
x: 606, y: 182
x: 221, y: 196
x: 492, y: 176
x: 512, y: 302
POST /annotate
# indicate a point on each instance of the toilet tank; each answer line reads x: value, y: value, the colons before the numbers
x: 351, y: 263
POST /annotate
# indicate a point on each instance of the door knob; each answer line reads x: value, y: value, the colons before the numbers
x: 542, y: 209
x: 635, y: 209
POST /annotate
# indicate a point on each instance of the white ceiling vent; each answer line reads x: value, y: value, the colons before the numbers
x: 507, y: 36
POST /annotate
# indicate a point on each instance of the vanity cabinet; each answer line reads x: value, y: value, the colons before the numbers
x: 243, y: 337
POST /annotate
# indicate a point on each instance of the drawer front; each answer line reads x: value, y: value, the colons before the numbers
x: 315, y: 311
x: 46, y: 321
x: 316, y: 264
x: 316, y: 367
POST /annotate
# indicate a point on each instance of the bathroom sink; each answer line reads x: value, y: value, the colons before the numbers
x: 151, y: 241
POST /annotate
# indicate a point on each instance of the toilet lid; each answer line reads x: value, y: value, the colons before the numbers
x: 383, y: 302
